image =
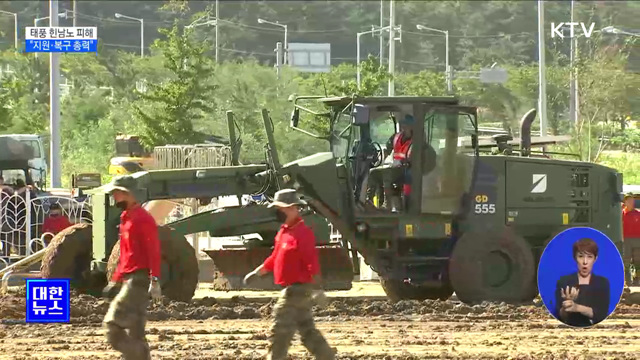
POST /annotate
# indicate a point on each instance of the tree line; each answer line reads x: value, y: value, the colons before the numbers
x: 177, y: 91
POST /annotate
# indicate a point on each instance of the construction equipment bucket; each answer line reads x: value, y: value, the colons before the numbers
x: 231, y: 265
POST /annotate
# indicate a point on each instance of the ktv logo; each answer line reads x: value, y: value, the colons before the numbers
x: 557, y: 30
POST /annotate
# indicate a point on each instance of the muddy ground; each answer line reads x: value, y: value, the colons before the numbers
x: 360, y: 326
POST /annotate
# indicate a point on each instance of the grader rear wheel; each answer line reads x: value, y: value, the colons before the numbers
x: 69, y: 256
x: 179, y: 278
x: 493, y: 266
x: 397, y: 290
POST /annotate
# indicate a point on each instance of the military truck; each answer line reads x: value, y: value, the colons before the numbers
x: 474, y: 223
x: 29, y: 147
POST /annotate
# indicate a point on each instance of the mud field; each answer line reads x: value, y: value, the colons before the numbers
x: 359, y: 324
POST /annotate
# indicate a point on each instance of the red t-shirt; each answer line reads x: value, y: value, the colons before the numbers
x: 55, y: 224
x: 139, y: 243
x: 630, y: 223
x: 294, y: 258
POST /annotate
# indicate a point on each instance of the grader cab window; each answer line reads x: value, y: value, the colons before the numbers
x: 449, y: 133
x: 341, y: 135
x: 382, y: 128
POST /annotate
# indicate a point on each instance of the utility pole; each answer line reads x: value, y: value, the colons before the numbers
x: 382, y: 44
x: 279, y: 52
x: 573, y: 118
x: 392, y: 47
x: 54, y: 104
x: 542, y: 81
x: 217, y: 23
x: 75, y: 2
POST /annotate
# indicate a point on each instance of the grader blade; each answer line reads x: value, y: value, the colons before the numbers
x: 232, y: 265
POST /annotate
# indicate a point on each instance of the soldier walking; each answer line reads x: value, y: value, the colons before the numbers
x: 295, y: 266
x: 138, y: 269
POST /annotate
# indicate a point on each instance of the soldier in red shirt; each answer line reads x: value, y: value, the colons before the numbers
x: 631, y: 235
x: 295, y: 266
x: 138, y: 268
x: 56, y: 221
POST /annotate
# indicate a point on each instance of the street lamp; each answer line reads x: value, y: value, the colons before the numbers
x: 36, y: 20
x: 15, y: 24
x: 372, y: 31
x: 286, y: 43
x: 448, y: 72
x: 614, y: 30
x: 141, y: 30
x: 213, y: 22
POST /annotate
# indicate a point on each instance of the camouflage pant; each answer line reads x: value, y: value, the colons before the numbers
x: 126, y: 319
x: 293, y: 313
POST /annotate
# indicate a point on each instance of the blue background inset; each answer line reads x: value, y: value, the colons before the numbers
x: 43, y: 290
x: 557, y: 261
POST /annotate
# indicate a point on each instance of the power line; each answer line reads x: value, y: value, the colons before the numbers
x: 96, y: 18
x: 222, y: 48
x: 471, y: 36
x: 246, y: 52
x: 123, y: 46
x: 428, y: 65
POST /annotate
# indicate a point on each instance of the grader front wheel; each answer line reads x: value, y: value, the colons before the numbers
x: 69, y: 256
x: 179, y: 278
x: 493, y: 266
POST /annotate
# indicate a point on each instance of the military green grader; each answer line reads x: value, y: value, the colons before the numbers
x: 479, y: 213
x: 475, y: 223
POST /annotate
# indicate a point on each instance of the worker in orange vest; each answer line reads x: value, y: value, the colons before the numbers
x: 630, y: 235
x: 400, y: 145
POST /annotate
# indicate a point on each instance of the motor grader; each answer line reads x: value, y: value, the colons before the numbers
x: 474, y: 223
x: 479, y: 212
x: 89, y: 253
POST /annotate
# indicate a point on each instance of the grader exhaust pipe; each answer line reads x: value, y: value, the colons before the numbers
x: 525, y: 132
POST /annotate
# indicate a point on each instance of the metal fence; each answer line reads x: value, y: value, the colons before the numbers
x: 22, y: 217
x: 191, y: 156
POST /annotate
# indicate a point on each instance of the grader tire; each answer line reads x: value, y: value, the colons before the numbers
x: 493, y: 266
x: 69, y: 256
x: 397, y: 290
x: 179, y: 278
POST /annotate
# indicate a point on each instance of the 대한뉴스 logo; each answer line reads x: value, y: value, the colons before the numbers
x: 558, y: 30
x: 539, y: 183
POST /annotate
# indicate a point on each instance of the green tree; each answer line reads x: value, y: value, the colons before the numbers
x: 166, y: 112
x: 26, y: 93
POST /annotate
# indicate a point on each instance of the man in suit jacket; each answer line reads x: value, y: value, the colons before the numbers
x: 582, y: 298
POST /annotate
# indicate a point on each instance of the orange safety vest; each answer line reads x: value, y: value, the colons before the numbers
x: 402, y: 151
